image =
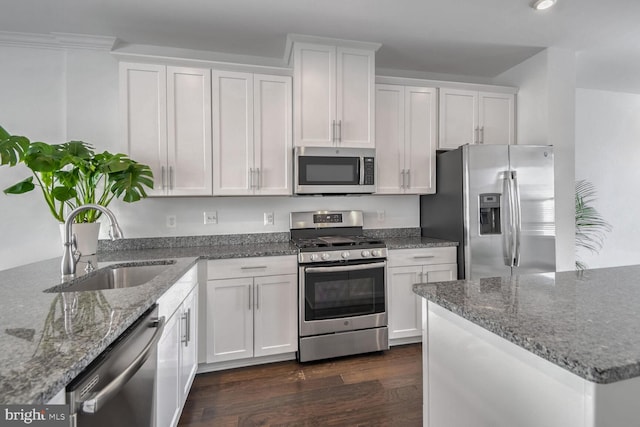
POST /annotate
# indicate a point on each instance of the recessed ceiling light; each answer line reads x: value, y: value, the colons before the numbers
x: 543, y: 4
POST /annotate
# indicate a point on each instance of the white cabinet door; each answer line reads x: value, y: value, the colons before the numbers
x: 458, y: 118
x: 230, y: 319
x: 470, y: 117
x: 314, y: 79
x: 390, y: 136
x: 334, y: 91
x: 168, y: 375
x: 276, y: 315
x: 166, y: 114
x: 355, y: 96
x: 496, y: 118
x: 405, y: 318
x: 143, y: 101
x: 189, y: 131
x: 272, y: 134
x: 188, y: 343
x: 406, y: 139
x: 233, y: 135
x: 420, y: 140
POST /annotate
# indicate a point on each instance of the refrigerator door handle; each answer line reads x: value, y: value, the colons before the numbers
x: 509, y: 237
x: 518, y: 218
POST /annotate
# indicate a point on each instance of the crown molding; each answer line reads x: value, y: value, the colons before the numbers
x: 57, y: 41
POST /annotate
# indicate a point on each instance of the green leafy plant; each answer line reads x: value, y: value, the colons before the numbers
x: 71, y: 174
x: 591, y: 228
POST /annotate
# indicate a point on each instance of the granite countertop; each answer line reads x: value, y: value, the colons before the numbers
x: 585, y: 322
x: 40, y: 354
x: 417, y: 242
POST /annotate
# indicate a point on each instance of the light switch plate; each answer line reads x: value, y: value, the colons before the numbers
x: 171, y: 221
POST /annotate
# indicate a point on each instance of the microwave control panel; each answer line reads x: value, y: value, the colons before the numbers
x: 369, y: 171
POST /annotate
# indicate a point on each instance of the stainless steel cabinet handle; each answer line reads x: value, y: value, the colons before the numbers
x: 97, y: 400
x: 482, y: 135
x: 408, y: 178
x: 170, y: 177
x: 424, y: 256
x: 257, y: 297
x: 250, y: 292
x: 340, y: 131
x: 162, y: 177
x: 476, y: 135
x: 253, y: 267
x: 187, y: 327
x: 258, y: 179
x: 333, y: 131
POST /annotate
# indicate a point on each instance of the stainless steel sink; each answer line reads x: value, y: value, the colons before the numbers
x: 115, y: 277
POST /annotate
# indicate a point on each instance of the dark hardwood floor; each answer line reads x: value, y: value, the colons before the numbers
x: 377, y: 389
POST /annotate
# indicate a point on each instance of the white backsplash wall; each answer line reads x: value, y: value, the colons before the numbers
x: 148, y: 218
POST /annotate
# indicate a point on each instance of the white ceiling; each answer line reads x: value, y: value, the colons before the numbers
x: 480, y: 38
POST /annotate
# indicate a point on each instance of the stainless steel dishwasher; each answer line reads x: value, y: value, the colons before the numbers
x: 117, y: 389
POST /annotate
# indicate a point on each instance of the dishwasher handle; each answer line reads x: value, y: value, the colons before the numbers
x: 97, y: 400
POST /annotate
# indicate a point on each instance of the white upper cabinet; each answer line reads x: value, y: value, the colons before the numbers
x: 333, y: 95
x: 473, y: 117
x: 406, y: 139
x: 166, y: 116
x: 252, y: 134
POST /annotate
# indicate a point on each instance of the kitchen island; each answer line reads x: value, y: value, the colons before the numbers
x: 556, y: 349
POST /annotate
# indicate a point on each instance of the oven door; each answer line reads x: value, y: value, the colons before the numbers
x: 342, y: 297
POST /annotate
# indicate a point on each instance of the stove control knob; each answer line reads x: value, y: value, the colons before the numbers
x: 365, y: 254
x: 315, y: 257
x: 325, y: 256
x: 346, y: 254
x: 376, y: 252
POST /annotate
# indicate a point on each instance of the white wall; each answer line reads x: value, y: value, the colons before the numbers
x: 32, y: 90
x: 58, y: 95
x: 546, y: 116
x: 607, y: 154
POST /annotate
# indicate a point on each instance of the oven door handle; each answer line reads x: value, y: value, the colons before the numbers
x: 339, y: 268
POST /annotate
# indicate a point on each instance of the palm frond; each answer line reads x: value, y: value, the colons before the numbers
x: 591, y: 227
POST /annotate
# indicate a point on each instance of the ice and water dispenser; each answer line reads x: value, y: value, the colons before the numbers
x: 490, y: 213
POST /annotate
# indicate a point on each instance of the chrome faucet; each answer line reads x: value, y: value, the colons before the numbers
x: 71, y: 256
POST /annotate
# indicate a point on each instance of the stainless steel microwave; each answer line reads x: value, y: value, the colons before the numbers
x: 334, y: 170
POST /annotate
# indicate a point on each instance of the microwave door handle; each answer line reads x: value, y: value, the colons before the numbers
x: 361, y: 180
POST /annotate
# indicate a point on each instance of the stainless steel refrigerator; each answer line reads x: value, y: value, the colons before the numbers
x: 497, y: 201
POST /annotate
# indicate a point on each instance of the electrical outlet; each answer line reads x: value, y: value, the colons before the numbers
x: 268, y: 218
x: 171, y: 221
x: 211, y: 217
x: 381, y: 216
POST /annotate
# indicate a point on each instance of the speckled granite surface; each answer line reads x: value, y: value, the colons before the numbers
x: 586, y: 323
x: 39, y: 354
x: 41, y: 349
x: 417, y: 242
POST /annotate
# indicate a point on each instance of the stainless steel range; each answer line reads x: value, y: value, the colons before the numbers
x: 342, y: 285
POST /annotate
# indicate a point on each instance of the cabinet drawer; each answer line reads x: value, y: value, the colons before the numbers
x: 251, y: 267
x: 421, y: 256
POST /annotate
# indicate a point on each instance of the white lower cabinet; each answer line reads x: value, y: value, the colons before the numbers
x: 251, y: 308
x: 177, y: 349
x: 407, y: 267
